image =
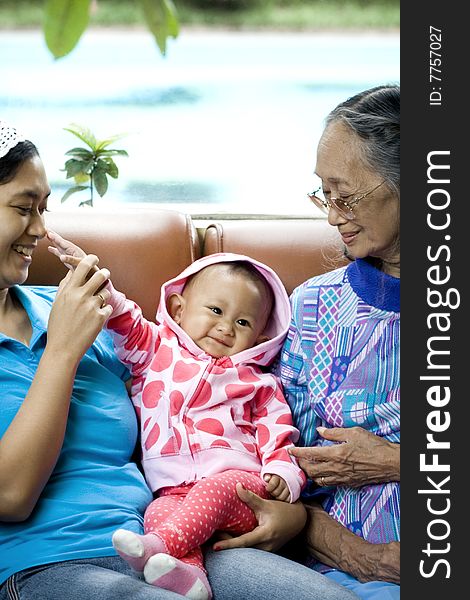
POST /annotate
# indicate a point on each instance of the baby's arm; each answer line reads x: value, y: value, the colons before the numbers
x: 67, y: 252
x: 70, y: 255
x: 134, y: 337
x: 276, y: 435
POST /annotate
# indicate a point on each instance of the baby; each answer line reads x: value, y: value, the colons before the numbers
x: 211, y: 415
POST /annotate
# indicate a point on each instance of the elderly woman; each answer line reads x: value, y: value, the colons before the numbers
x: 68, y: 430
x: 340, y: 363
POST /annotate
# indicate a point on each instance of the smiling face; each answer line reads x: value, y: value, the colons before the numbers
x: 344, y: 173
x: 23, y: 201
x: 223, y: 312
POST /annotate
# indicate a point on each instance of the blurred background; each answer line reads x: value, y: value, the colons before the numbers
x: 227, y: 122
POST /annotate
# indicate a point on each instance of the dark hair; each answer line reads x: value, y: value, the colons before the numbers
x: 248, y: 269
x: 374, y: 115
x: 12, y: 161
x: 245, y: 268
x: 251, y: 273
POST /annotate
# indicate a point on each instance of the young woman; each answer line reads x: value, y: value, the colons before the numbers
x: 68, y: 430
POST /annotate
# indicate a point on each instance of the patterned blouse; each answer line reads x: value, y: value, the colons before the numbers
x: 340, y: 368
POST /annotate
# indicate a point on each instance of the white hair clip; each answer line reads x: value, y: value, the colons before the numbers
x: 9, y: 138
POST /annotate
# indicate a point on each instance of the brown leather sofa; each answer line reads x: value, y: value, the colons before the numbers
x: 144, y: 248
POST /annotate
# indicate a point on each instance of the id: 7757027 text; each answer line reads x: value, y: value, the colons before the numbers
x: 435, y: 63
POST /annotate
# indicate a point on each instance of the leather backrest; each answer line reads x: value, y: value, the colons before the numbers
x: 296, y: 249
x: 141, y: 248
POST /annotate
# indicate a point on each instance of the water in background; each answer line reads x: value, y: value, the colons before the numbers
x: 227, y: 122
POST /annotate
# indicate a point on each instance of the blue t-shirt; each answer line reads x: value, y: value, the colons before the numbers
x: 94, y: 488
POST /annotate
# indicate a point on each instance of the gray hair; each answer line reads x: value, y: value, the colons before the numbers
x: 374, y: 115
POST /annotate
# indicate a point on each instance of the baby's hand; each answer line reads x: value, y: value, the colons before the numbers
x: 67, y: 252
x: 277, y: 487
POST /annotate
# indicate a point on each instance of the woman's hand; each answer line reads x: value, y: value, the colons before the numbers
x: 360, y: 458
x: 278, y: 522
x: 79, y: 311
x: 81, y: 300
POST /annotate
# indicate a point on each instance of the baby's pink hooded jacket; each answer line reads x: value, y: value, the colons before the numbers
x: 201, y: 415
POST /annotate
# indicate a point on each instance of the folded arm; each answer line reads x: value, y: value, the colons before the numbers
x: 334, y: 545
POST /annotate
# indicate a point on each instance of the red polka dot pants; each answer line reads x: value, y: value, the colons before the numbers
x: 185, y: 517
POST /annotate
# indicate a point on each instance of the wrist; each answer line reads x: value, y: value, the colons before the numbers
x: 389, y: 565
x: 335, y: 545
x: 362, y: 561
x: 373, y: 562
x: 61, y: 357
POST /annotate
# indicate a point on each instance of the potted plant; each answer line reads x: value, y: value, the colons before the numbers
x: 91, y: 166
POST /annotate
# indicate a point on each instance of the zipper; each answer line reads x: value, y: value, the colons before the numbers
x: 213, y: 362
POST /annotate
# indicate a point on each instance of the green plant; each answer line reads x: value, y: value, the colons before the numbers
x: 90, y: 167
x: 66, y: 20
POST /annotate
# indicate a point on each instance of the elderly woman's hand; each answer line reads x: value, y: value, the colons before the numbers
x: 278, y: 523
x: 358, y: 459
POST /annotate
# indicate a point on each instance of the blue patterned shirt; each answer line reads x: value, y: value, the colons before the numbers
x: 340, y: 368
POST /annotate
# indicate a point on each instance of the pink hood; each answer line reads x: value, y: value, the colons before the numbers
x: 278, y: 322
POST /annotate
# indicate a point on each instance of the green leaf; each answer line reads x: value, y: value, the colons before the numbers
x: 64, y: 23
x: 162, y: 20
x: 112, y: 152
x: 111, y: 169
x: 74, y: 166
x: 104, y: 143
x: 82, y: 178
x: 101, y: 181
x: 72, y: 190
x: 84, y: 134
x: 101, y: 165
x: 81, y: 153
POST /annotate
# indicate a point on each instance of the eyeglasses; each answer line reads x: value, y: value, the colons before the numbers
x: 345, y: 209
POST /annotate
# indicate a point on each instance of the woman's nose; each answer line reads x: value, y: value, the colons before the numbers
x: 37, y: 226
x: 335, y: 218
